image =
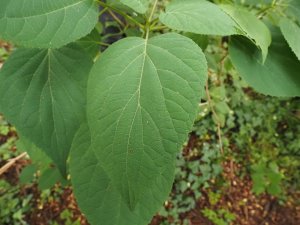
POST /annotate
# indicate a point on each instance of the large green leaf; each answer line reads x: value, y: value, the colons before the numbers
x: 278, y: 76
x: 43, y: 95
x: 142, y: 101
x: 46, y: 23
x: 252, y: 27
x: 198, y: 16
x: 98, y: 198
x: 291, y: 32
x: 139, y: 6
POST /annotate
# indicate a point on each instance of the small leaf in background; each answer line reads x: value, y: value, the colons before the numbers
x: 252, y: 27
x: 46, y: 96
x: 266, y: 177
x: 291, y: 33
x: 139, y: 6
x: 91, y: 43
x: 133, y: 32
x: 49, y: 178
x: 46, y: 23
x: 198, y: 16
x: 199, y: 39
x: 27, y: 174
x: 278, y: 76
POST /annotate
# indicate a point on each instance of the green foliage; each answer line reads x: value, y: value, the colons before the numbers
x: 266, y: 177
x: 12, y: 207
x: 219, y: 217
x: 278, y: 76
x: 192, y: 175
x: 46, y: 23
x: 195, y: 16
x: 252, y: 27
x: 291, y: 32
x: 140, y: 6
x: 99, y: 199
x: 157, y: 109
x: 41, y: 164
x: 45, y: 91
x: 126, y: 119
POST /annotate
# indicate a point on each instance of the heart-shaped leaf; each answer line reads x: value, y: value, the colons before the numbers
x: 142, y: 101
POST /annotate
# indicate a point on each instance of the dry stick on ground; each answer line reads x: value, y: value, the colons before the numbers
x: 11, y: 162
x: 216, y: 116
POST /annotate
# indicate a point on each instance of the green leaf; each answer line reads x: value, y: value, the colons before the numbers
x: 96, y: 195
x: 278, y: 76
x: 140, y: 6
x: 291, y: 33
x: 43, y: 93
x: 90, y: 43
x: 37, y: 156
x: 46, y: 23
x: 198, y: 16
x: 199, y: 39
x: 252, y: 27
x: 142, y: 101
x: 49, y: 178
x: 293, y: 9
x: 27, y: 174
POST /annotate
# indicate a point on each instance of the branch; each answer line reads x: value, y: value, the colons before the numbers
x: 11, y: 162
x: 216, y: 116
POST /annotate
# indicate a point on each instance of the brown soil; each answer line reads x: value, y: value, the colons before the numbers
x: 237, y: 198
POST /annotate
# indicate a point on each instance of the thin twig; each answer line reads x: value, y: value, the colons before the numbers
x: 152, y: 11
x: 116, y: 18
x: 120, y: 12
x: 216, y: 116
x: 11, y: 162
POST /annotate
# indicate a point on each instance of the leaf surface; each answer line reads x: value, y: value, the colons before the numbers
x: 198, y: 16
x: 100, y: 201
x: 278, y: 76
x: 139, y: 6
x: 142, y: 101
x: 293, y: 9
x: 91, y: 43
x: 43, y: 93
x: 46, y: 23
x: 291, y: 33
x: 252, y: 27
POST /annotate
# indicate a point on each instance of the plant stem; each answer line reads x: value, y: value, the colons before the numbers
x: 102, y: 43
x: 103, y: 11
x: 216, y: 116
x: 116, y: 18
x: 147, y: 27
x: 158, y: 28
x: 152, y: 11
x: 120, y: 12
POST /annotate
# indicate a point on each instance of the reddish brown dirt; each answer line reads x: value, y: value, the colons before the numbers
x: 236, y: 198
